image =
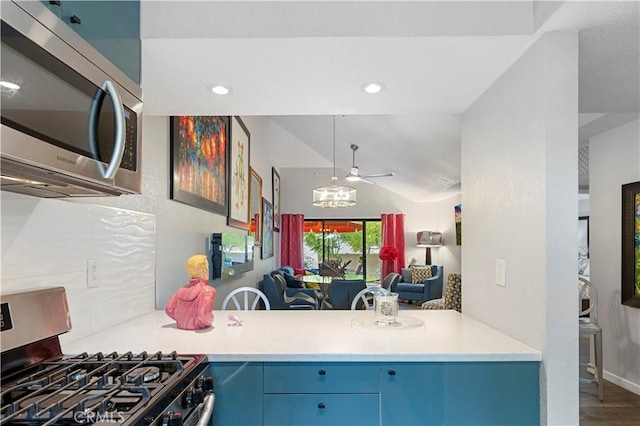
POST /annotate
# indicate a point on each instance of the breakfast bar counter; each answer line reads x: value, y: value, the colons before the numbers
x: 423, y: 335
x: 340, y: 368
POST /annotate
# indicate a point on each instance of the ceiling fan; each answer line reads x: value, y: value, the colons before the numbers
x: 354, y: 174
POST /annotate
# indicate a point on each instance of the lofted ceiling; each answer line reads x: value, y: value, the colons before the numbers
x: 300, y: 62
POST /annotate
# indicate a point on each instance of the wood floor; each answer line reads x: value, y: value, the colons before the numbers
x: 619, y: 408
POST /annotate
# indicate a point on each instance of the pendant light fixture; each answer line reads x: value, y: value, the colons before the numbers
x: 334, y: 195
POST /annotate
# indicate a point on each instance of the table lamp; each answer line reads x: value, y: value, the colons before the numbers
x: 429, y: 239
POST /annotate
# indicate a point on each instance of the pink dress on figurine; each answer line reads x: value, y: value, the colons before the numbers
x: 191, y: 305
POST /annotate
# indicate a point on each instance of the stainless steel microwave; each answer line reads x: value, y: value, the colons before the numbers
x: 71, y: 120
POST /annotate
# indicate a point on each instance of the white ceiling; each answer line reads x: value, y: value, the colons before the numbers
x: 303, y: 61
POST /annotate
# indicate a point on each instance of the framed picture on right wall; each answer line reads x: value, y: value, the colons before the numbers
x: 630, y: 240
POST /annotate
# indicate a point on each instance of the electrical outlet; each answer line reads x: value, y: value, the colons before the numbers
x: 92, y: 273
x: 501, y: 266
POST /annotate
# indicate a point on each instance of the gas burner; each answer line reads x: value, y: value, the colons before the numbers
x: 147, y: 374
x: 40, y: 386
x: 78, y: 375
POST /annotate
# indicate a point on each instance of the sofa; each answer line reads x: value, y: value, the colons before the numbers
x: 423, y: 290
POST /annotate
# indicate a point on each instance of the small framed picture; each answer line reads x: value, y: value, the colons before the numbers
x: 275, y: 178
x: 267, y: 229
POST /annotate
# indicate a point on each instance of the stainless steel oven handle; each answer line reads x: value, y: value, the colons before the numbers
x: 207, y: 410
x: 118, y: 139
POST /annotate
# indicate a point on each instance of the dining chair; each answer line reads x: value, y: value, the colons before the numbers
x: 391, y: 281
x: 342, y: 292
x: 245, y: 293
x: 367, y: 297
x: 299, y: 300
x: 588, y: 326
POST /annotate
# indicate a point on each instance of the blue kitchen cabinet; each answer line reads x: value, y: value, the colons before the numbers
x: 321, y: 377
x: 321, y: 409
x: 370, y: 393
x: 321, y: 393
x: 460, y: 393
x: 238, y: 390
x: 111, y: 27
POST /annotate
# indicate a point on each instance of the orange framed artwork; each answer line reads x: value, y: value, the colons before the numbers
x: 198, y: 165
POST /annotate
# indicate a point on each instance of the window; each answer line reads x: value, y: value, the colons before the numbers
x: 350, y: 245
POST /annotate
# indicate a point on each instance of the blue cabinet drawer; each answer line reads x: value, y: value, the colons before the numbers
x: 330, y: 377
x: 460, y: 393
x: 321, y: 409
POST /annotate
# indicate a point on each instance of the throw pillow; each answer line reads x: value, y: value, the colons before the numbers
x: 420, y: 274
x: 406, y: 275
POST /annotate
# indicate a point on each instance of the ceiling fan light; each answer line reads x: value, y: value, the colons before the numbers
x: 334, y: 196
x: 353, y: 178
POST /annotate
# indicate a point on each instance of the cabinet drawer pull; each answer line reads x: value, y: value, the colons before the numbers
x: 321, y: 406
x: 54, y: 2
x: 322, y: 373
x: 391, y: 372
x: 75, y: 20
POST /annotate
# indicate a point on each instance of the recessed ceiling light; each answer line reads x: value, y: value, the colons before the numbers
x: 9, y: 85
x: 373, y: 87
x: 219, y: 90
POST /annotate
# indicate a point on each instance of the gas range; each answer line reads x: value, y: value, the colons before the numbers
x: 40, y: 386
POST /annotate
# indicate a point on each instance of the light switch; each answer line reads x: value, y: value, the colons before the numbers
x: 501, y: 266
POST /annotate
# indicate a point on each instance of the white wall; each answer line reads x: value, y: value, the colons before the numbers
x: 48, y: 243
x: 614, y: 159
x: 519, y: 201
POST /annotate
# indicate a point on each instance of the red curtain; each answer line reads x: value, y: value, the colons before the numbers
x: 393, y: 235
x: 291, y: 240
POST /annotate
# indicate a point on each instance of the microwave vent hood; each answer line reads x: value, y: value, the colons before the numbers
x: 30, y: 180
x: 73, y: 126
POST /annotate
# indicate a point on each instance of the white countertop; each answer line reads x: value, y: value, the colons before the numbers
x: 314, y: 336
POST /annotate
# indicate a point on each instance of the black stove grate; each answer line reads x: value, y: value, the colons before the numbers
x: 98, y: 388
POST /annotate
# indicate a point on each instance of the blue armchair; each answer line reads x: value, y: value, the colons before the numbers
x: 421, y: 292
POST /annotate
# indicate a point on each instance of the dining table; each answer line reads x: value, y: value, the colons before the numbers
x: 322, y: 282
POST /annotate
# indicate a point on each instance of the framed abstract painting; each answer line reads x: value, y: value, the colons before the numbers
x: 198, y: 165
x: 275, y: 187
x: 239, y: 175
x: 630, y: 286
x: 267, y: 229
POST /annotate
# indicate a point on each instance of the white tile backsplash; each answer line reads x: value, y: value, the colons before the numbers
x: 47, y: 242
